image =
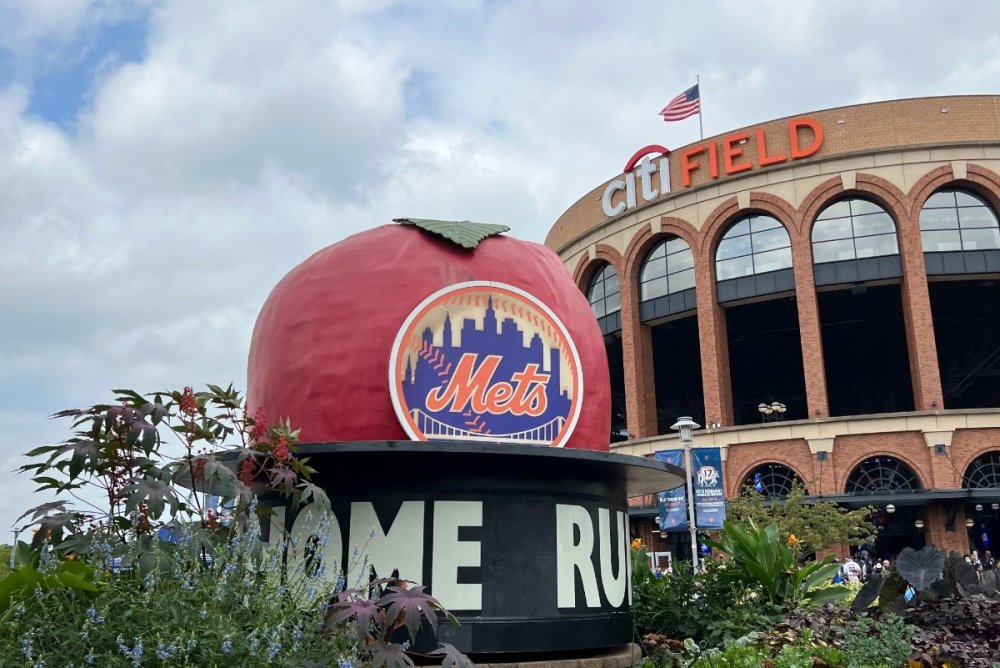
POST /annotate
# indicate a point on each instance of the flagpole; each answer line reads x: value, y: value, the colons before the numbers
x: 701, y: 102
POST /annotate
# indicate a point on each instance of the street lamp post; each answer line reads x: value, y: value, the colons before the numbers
x: 685, y: 425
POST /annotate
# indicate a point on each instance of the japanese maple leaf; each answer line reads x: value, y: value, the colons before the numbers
x: 391, y: 655
x: 364, y: 611
x: 410, y: 602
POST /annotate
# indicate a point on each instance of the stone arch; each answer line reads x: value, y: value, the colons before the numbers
x: 980, y: 180
x: 736, y: 484
x: 645, y: 239
x: 918, y: 472
x: 867, y: 186
x: 588, y: 265
x: 727, y: 213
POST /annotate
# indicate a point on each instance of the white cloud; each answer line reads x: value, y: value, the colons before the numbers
x: 136, y: 249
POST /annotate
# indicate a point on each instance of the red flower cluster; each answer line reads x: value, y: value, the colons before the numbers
x: 258, y: 430
x: 281, y: 452
x: 247, y: 471
x: 189, y: 405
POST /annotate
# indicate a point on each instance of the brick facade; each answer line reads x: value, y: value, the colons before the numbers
x: 896, y: 154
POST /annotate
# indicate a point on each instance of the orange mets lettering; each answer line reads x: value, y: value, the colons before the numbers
x: 473, y: 387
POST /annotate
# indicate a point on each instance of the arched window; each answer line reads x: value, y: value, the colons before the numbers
x: 958, y: 220
x: 852, y: 229
x: 772, y: 480
x: 604, y: 292
x: 881, y: 474
x: 983, y: 472
x: 669, y: 268
x: 753, y: 245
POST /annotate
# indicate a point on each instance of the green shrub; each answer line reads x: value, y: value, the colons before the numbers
x: 878, y: 643
x: 708, y: 608
x: 760, y: 558
x: 733, y: 656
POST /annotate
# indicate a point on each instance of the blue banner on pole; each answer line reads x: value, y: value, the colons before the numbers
x: 672, y: 504
x: 710, y: 500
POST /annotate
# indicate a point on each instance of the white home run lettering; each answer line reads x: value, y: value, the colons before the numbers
x: 575, y: 556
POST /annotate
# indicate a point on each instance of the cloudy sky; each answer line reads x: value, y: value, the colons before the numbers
x: 163, y: 163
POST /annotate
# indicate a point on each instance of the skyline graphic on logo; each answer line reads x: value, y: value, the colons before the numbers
x: 488, y: 362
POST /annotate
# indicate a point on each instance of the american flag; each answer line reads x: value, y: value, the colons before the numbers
x: 684, y: 105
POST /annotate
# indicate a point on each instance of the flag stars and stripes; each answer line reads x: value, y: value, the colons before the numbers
x: 683, y: 106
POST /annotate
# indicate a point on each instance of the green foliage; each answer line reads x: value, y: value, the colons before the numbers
x: 708, y: 607
x: 761, y: 558
x: 29, y: 577
x: 122, y: 451
x: 231, y: 612
x: 5, y: 552
x: 878, y: 643
x: 96, y: 586
x: 815, y: 525
x: 736, y: 655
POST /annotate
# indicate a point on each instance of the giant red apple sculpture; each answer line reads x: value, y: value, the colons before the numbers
x: 432, y: 330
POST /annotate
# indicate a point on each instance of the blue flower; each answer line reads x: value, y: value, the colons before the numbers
x: 137, y: 650
x: 345, y: 663
x: 89, y: 658
x: 227, y: 646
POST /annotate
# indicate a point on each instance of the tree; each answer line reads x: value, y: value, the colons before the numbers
x: 806, y: 524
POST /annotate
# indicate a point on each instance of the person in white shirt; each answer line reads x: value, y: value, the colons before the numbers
x: 852, y: 571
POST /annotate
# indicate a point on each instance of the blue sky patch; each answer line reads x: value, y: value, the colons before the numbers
x: 60, y: 90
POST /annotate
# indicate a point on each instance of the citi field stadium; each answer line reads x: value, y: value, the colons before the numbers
x: 486, y: 362
x: 821, y: 293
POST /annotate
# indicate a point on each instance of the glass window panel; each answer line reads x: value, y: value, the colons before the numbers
x: 944, y: 198
x: 683, y: 280
x: 940, y: 241
x: 726, y: 269
x: 979, y: 216
x: 676, y: 246
x: 680, y: 261
x: 874, y: 223
x: 833, y: 251
x: 613, y: 303
x: 938, y: 219
x: 653, y: 289
x: 761, y: 223
x: 964, y: 198
x: 837, y: 210
x: 742, y: 227
x: 729, y: 248
x: 982, y: 239
x: 838, y: 228
x: 878, y: 245
x: 770, y: 239
x: 773, y: 260
x: 599, y: 310
x: 654, y: 268
x: 596, y: 291
x: 611, y: 284
x: 658, y: 251
x: 863, y: 206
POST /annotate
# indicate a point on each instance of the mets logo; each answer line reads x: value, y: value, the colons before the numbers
x: 708, y: 476
x: 485, y: 361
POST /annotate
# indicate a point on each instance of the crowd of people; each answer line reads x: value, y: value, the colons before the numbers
x: 861, y: 567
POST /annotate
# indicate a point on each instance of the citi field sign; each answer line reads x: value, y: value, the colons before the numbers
x: 733, y: 154
x: 485, y: 361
